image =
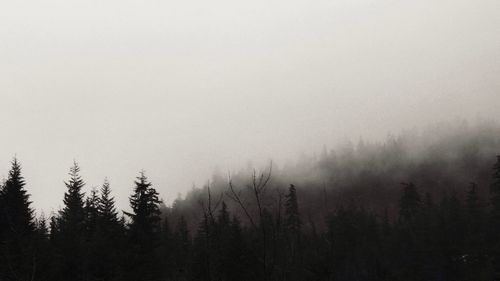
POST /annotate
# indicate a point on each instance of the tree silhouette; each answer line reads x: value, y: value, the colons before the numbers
x: 494, y: 227
x: 144, y: 231
x: 18, y: 227
x: 71, y: 228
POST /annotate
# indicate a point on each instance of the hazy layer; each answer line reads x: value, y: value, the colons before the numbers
x: 181, y: 87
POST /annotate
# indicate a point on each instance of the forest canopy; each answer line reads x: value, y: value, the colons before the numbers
x: 418, y: 206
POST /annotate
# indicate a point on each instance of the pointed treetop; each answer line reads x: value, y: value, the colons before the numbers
x: 106, y: 205
x: 16, y: 202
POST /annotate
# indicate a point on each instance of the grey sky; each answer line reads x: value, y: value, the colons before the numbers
x: 181, y: 87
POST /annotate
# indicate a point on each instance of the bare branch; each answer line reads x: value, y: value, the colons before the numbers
x: 236, y: 198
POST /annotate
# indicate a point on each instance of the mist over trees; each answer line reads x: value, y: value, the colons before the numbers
x: 418, y: 206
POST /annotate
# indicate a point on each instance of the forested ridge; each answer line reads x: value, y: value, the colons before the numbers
x: 418, y: 206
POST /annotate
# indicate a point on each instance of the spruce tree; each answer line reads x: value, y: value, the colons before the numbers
x: 72, y: 216
x: 106, y: 247
x: 145, y: 210
x: 292, y: 227
x: 106, y: 206
x: 17, y: 233
x: 292, y: 220
x: 144, y: 231
x: 71, y: 225
x: 91, y: 213
x: 16, y: 210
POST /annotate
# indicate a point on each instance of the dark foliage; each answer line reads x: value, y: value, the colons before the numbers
x: 436, y: 225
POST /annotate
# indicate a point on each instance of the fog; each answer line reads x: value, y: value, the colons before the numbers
x: 183, y: 88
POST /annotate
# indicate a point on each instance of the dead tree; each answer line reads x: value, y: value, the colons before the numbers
x: 208, y: 220
x: 258, y: 188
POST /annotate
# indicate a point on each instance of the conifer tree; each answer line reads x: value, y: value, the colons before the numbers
x: 106, y: 205
x: 72, y: 216
x: 71, y: 226
x: 18, y: 227
x: 144, y: 230
x: 292, y: 220
x: 292, y: 226
x: 146, y: 212
x: 91, y: 213
x: 53, y: 228
x: 16, y: 210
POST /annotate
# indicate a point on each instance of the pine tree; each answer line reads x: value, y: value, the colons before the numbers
x: 144, y: 230
x: 106, y: 206
x: 72, y: 216
x: 107, y: 243
x: 91, y: 213
x: 71, y: 226
x: 146, y: 212
x: 43, y: 253
x: 292, y: 231
x: 16, y: 210
x: 53, y: 228
x: 17, y: 233
x: 42, y: 229
x: 292, y: 220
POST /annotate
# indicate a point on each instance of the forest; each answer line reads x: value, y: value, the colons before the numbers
x: 417, y: 206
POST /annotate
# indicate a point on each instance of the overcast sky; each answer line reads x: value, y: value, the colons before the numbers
x: 179, y: 88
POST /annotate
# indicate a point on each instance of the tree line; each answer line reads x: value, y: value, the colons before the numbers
x: 452, y: 237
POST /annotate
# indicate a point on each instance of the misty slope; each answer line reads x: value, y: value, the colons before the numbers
x: 440, y: 159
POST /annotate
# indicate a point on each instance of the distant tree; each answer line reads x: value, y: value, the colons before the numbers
x: 182, y: 249
x: 494, y: 225
x: 410, y: 202
x: 42, y: 229
x: 53, y: 228
x: 453, y: 231
x: 167, y: 250
x: 292, y: 216
x: 91, y: 213
x: 43, y: 251
x: 292, y: 232
x: 408, y: 230
x: 475, y: 244
x: 230, y: 249
x: 353, y: 239
x: 495, y: 197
